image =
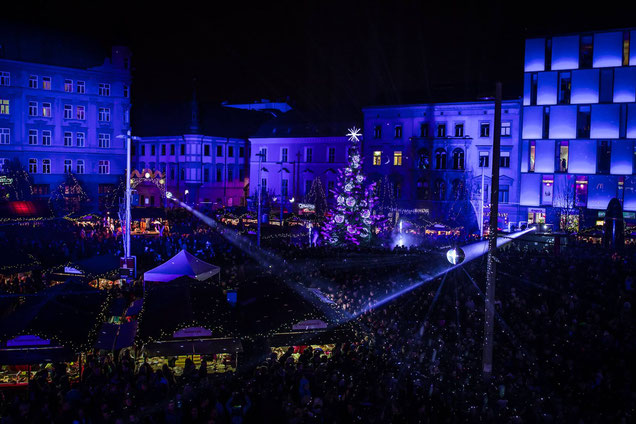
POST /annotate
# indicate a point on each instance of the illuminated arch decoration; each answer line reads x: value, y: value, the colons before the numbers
x: 155, y: 177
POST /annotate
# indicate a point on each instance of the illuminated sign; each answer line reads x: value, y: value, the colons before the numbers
x: 191, y: 332
x: 4, y: 180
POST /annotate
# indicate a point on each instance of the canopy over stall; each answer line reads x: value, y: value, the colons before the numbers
x: 183, y: 264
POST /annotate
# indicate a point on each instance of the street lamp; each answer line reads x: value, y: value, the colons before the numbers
x: 127, y: 218
x: 260, y: 155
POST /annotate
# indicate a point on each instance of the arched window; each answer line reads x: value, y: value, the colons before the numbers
x: 440, y: 190
x: 422, y: 191
x: 440, y: 159
x: 458, y: 159
x: 423, y: 159
x: 457, y: 189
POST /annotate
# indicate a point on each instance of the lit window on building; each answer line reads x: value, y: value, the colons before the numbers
x: 547, y: 190
x: 532, y: 155
x: 5, y: 135
x: 46, y: 83
x: 4, y: 107
x: 68, y: 86
x: 397, y: 158
x: 563, y: 150
x: 581, y: 191
x: 377, y: 157
x: 46, y: 110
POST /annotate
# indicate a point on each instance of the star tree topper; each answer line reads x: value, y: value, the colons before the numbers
x: 354, y: 133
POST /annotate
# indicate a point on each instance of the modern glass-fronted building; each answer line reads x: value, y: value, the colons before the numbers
x: 579, y: 126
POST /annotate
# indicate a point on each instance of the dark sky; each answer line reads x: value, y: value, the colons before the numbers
x: 328, y: 58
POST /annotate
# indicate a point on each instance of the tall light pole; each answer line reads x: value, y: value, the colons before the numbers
x: 127, y: 196
x: 282, y: 196
x: 260, y: 155
x: 491, y: 267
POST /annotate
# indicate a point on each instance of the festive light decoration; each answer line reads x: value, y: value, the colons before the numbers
x: 351, y: 220
x: 69, y: 196
x: 316, y: 196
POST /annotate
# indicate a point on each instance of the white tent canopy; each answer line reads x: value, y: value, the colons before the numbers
x: 182, y: 264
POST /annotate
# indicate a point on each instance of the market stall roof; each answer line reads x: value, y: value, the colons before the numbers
x: 193, y: 347
x: 67, y: 314
x: 180, y: 265
x: 184, y: 303
x: 37, y: 355
x: 116, y: 336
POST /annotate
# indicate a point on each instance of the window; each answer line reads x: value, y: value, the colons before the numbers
x: 206, y: 175
x: 331, y: 155
x: 441, y: 130
x: 182, y: 149
x: 377, y: 157
x: 68, y: 111
x: 547, y: 190
x: 424, y: 129
x: 484, y: 129
x: 459, y: 130
x: 33, y: 81
x: 458, y: 159
x: 546, y: 121
x: 504, y: 193
x: 219, y: 174
x: 5, y: 135
x: 104, y: 140
x: 548, y: 54
x: 163, y: 150
x: 587, y: 46
x: 283, y: 154
x: 46, y: 83
x: 104, y: 89
x: 46, y: 138
x: 284, y: 188
x: 484, y: 159
x: 153, y: 151
x: 506, y: 129
x: 41, y: 189
x: 606, y: 89
x: 126, y: 91
x: 4, y: 107
x: 423, y: 159
x: 172, y: 149
x: 562, y: 156
x: 230, y: 174
x: 583, y: 122
x: 565, y: 87
x: 309, y: 153
x: 440, y: 159
x: 104, y: 114
x: 33, y: 108
x: 33, y: 166
x: 230, y: 151
x: 33, y: 137
x: 398, y: 131
x: 80, y: 139
x: 206, y: 150
x: 263, y: 154
x: 532, y: 155
x: 219, y: 151
x: 104, y: 167
x: 504, y: 160
x: 68, y: 166
x: 625, y: 48
x: 80, y: 112
x: 46, y: 166
x: 397, y: 158
x: 81, y: 87
x: 183, y: 173
x: 377, y: 131
x: 264, y: 185
x: 68, y: 86
x: 5, y: 78
x: 68, y: 139
x: 46, y: 110
x: 241, y: 152
x: 440, y: 189
x: 603, y: 156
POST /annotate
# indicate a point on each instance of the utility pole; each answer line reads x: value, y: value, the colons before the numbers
x: 258, y: 214
x: 282, y: 202
x: 481, y: 208
x: 491, y: 267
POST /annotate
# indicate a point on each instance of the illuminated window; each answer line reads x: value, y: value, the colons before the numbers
x: 547, y: 190
x: 397, y: 158
x: 581, y: 191
x: 5, y: 78
x: 33, y: 166
x: 484, y: 129
x: 80, y: 139
x: 104, y: 89
x: 46, y: 166
x: 46, y: 110
x: 33, y: 81
x: 625, y: 48
x: 33, y: 108
x: 377, y: 157
x: 46, y: 138
x: 587, y: 46
x: 81, y: 87
x: 441, y: 130
x: 104, y: 114
x: 459, y: 130
x: 103, y: 140
x: 398, y: 131
x: 33, y: 137
x: 4, y: 107
x: 80, y: 112
x: 68, y: 139
x: 506, y: 129
x: 68, y: 166
x: 68, y: 86
x: 46, y: 83
x: 104, y: 167
x: 532, y: 156
x: 5, y: 135
x: 562, y: 156
x: 484, y: 159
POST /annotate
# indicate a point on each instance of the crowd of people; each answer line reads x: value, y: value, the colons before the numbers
x: 563, y: 351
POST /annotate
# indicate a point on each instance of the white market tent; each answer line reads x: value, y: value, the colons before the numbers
x: 182, y: 264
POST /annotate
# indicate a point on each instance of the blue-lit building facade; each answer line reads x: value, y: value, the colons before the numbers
x: 579, y: 126
x: 432, y: 158
x: 58, y: 120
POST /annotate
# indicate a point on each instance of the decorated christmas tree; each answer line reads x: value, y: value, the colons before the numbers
x: 352, y: 219
x: 316, y: 196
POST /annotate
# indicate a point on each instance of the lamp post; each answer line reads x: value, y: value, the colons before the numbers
x: 260, y: 155
x: 127, y: 255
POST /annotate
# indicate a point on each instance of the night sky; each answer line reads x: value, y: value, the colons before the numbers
x: 328, y: 59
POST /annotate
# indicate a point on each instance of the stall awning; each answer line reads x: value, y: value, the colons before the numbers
x: 26, y: 356
x: 193, y: 347
x: 116, y: 336
x: 183, y: 264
